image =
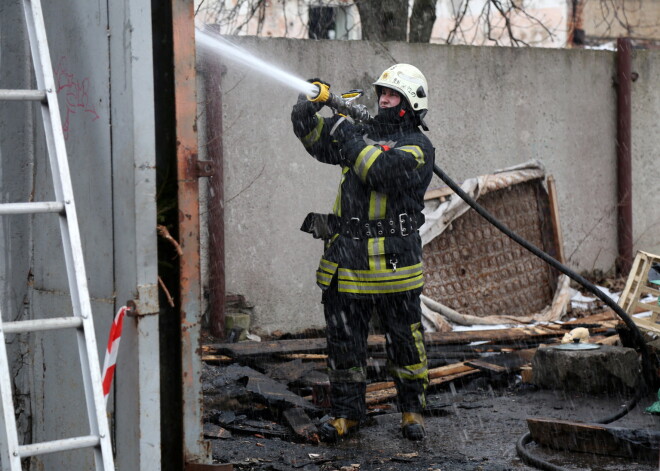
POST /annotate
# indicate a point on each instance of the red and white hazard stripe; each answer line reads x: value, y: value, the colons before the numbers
x: 111, y: 351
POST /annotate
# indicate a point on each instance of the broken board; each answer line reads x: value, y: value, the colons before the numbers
x: 595, y: 438
x: 273, y: 393
x: 301, y: 424
x: 246, y: 349
x: 504, y: 362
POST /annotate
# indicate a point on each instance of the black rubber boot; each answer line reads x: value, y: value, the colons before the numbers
x: 412, y: 426
x: 331, y: 432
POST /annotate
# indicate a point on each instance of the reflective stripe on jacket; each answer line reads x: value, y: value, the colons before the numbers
x: 386, y: 175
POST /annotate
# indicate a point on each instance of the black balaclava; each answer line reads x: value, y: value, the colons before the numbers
x: 396, y: 118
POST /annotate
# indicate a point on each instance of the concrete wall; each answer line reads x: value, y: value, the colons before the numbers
x: 15, y: 183
x: 489, y: 108
x: 101, y: 54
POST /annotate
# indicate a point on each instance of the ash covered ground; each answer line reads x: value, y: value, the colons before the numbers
x: 471, y: 426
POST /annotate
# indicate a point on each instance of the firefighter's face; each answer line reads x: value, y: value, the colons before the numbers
x: 388, y: 98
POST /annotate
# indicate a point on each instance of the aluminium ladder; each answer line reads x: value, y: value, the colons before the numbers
x: 81, y: 320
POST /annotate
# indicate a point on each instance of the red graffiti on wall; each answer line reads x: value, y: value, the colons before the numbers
x: 76, y: 95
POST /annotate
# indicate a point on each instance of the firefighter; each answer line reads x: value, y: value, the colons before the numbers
x: 372, y: 261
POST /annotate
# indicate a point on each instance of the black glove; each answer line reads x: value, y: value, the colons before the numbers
x: 319, y: 81
x: 304, y: 110
x: 344, y: 131
x: 349, y: 140
x: 303, y: 104
x: 321, y: 226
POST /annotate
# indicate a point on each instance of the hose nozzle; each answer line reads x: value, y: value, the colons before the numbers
x: 323, y: 95
x: 341, y: 104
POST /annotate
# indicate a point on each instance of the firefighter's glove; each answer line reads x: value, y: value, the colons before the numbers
x: 305, y: 108
x: 319, y: 225
x: 303, y: 114
x: 348, y: 139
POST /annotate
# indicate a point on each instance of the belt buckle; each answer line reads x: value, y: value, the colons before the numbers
x: 403, y: 220
x: 354, y: 222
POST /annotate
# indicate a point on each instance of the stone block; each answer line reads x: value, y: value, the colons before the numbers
x: 605, y: 369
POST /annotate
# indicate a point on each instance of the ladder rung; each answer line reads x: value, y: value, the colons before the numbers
x: 58, y: 445
x: 23, y: 95
x: 35, y: 325
x: 32, y: 208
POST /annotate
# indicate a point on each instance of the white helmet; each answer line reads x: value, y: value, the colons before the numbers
x: 409, y: 82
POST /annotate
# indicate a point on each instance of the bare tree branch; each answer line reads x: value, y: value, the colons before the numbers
x: 477, y: 22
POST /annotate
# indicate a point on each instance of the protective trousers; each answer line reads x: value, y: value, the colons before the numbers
x: 347, y: 321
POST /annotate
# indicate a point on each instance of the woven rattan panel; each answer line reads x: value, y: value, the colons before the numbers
x: 475, y: 269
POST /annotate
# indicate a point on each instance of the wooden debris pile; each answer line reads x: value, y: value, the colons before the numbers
x: 279, y: 388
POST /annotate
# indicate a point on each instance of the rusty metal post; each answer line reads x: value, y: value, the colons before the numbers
x: 623, y: 156
x: 195, y: 449
x: 216, y: 203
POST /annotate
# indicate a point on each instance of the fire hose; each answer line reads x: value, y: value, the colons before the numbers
x: 344, y: 105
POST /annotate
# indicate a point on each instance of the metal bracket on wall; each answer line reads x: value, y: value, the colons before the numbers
x: 146, y: 303
x: 205, y: 168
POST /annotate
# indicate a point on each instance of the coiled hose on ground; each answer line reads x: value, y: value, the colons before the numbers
x: 647, y: 368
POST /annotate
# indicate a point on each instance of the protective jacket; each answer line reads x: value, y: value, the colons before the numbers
x: 374, y: 247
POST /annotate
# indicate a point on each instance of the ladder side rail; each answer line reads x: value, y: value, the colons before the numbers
x: 11, y: 460
x: 72, y: 243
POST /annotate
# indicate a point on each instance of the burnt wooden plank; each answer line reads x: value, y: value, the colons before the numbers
x: 250, y: 348
x: 215, y: 431
x: 243, y: 349
x: 595, y: 438
x: 504, y: 362
x: 383, y: 395
x: 209, y: 467
x: 301, y: 424
x: 439, y: 372
x: 606, y: 318
x: 487, y: 367
x: 272, y: 392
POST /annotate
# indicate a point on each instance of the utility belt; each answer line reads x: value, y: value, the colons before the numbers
x: 324, y: 226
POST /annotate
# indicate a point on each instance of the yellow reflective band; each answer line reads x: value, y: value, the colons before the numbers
x: 417, y: 153
x: 365, y: 160
x: 347, y: 285
x: 336, y: 209
x: 418, y: 371
x: 328, y: 266
x: 376, y: 249
x: 323, y: 278
x: 313, y: 136
x: 381, y: 275
x: 418, y: 335
x: 325, y: 272
x: 377, y: 205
